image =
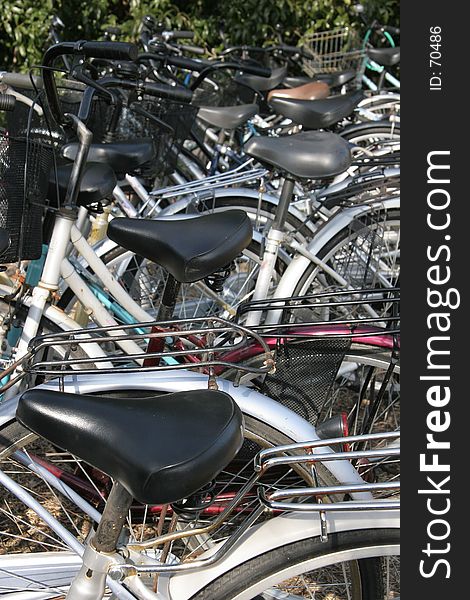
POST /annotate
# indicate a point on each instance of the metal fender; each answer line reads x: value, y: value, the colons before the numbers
x: 365, y: 125
x: 278, y: 532
x: 249, y: 400
x: 332, y: 227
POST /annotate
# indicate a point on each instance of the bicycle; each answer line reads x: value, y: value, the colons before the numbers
x: 357, y: 536
x: 119, y: 292
x: 36, y: 303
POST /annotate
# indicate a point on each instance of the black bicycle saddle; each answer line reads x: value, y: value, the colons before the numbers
x: 190, y: 249
x: 307, y: 155
x: 161, y: 449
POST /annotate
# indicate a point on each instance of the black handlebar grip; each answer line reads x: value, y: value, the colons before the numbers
x: 7, y: 102
x: 290, y: 49
x: 191, y: 49
x: 183, y: 62
x: 179, y: 93
x: 109, y: 50
x: 181, y: 35
x: 392, y: 30
x: 255, y: 70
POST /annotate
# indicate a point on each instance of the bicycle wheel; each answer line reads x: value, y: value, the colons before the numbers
x: 261, y: 214
x: 365, y: 254
x: 377, y: 138
x: 379, y: 105
x: 314, y: 569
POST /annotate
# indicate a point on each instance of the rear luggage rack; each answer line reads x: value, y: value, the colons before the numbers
x: 197, y: 343
x: 338, y: 314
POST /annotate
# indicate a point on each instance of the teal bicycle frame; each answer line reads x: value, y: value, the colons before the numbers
x: 376, y: 68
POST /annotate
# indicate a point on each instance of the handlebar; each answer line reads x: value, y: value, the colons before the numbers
x: 201, y: 65
x: 181, y: 62
x: 278, y: 48
x: 191, y: 49
x: 254, y: 70
x: 177, y: 35
x: 157, y: 90
x: 250, y: 69
x: 7, y: 102
x: 177, y: 93
x: 392, y: 30
x: 109, y: 50
x: 232, y: 49
x: 21, y: 80
x: 376, y: 26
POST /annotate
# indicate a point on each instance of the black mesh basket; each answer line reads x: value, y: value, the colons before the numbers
x: 24, y: 174
x: 305, y: 372
x: 167, y: 123
x: 314, y: 334
x: 221, y: 88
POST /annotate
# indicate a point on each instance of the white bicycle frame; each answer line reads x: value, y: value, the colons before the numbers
x: 65, y: 565
x: 60, y: 568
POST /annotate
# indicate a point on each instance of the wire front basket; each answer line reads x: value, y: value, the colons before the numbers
x: 331, y: 51
x: 166, y: 123
x: 221, y: 88
x: 25, y: 163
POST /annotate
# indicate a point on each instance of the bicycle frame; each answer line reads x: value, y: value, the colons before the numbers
x: 66, y: 230
x: 249, y: 541
x: 376, y: 68
x: 257, y: 540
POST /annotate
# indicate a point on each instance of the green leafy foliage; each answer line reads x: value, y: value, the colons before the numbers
x: 24, y: 26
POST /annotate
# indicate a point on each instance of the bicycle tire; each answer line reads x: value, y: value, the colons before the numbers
x: 246, y: 581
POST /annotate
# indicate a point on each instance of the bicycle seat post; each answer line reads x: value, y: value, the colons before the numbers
x: 99, y: 555
x: 170, y: 293
x: 283, y: 205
